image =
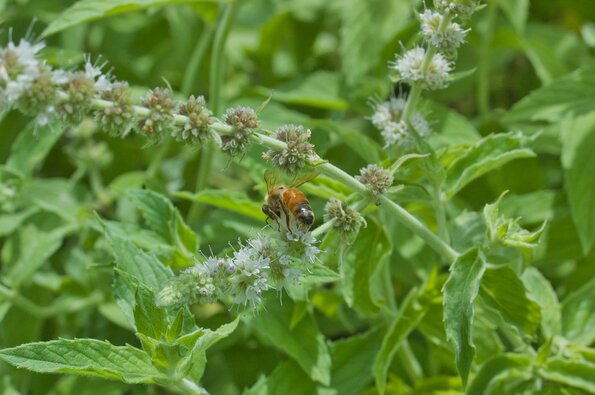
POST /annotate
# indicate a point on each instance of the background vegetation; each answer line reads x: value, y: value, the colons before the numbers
x: 533, y: 71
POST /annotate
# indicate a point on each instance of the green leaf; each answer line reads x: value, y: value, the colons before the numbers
x: 361, y: 144
x: 319, y: 89
x: 578, y: 315
x: 351, y: 361
x: 487, y: 154
x: 361, y: 269
x: 87, y: 10
x: 494, y: 368
x: 287, y: 378
x: 570, y: 95
x: 543, y: 293
x: 460, y: 291
x: 233, y: 201
x: 165, y: 220
x: 150, y: 320
x: 143, y: 267
x: 35, y: 246
x: 576, y: 374
x: 503, y: 290
x: 366, y: 27
x: 10, y: 222
x: 86, y: 357
x: 32, y: 146
x: 579, y: 166
x: 303, y: 342
x: 198, y: 342
x: 516, y: 11
x: 412, y: 311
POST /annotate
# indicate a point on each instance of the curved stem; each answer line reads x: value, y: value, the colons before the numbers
x: 215, y: 103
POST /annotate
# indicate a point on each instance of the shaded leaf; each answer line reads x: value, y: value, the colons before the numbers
x: 228, y: 200
x: 460, y: 291
x: 87, y: 357
x: 578, y: 315
x: 576, y: 374
x: 487, y: 154
x: 303, y: 342
x: 543, y: 293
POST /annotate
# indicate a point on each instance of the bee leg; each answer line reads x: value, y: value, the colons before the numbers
x: 287, y: 218
x: 271, y: 214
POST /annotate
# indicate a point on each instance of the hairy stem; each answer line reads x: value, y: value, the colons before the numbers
x: 215, y: 103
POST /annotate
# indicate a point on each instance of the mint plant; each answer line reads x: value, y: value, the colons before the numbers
x: 451, y: 253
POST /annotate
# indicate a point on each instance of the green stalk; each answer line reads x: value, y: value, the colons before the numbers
x: 483, y: 63
x: 409, y: 361
x: 215, y: 103
x: 196, y: 59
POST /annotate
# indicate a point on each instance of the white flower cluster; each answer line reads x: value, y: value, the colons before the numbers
x: 262, y: 263
x: 412, y: 68
x: 444, y: 38
x: 387, y: 119
x: 30, y: 84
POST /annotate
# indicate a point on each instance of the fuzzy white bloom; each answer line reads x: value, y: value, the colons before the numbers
x: 410, y: 67
x: 303, y: 243
x: 94, y: 73
x: 18, y: 69
x: 447, y: 39
x: 387, y: 119
x: 60, y: 76
x: 26, y: 52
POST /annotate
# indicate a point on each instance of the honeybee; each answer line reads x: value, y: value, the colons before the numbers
x: 288, y: 202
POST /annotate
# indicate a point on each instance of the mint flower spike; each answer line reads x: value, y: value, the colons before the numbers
x: 160, y: 119
x: 195, y: 129
x: 446, y: 39
x: 345, y: 219
x: 243, y: 120
x: 387, y: 119
x: 293, y: 158
x: 411, y: 69
x: 376, y: 179
x: 262, y: 263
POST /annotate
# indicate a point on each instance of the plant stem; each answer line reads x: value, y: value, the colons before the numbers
x: 483, y: 63
x: 215, y: 85
x: 409, y: 361
x: 196, y: 59
x: 189, y: 387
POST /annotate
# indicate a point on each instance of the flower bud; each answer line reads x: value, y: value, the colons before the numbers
x: 375, y: 178
x: 346, y: 220
x: 457, y: 8
x: 196, y: 128
x: 40, y: 96
x: 80, y: 90
x: 118, y: 117
x: 293, y: 158
x: 243, y: 120
x: 161, y: 113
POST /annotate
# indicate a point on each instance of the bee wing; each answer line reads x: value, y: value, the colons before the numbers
x: 271, y: 178
x: 303, y: 178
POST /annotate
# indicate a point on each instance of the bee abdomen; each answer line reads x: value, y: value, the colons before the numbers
x: 305, y: 214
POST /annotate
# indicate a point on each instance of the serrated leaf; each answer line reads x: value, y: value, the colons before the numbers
x: 138, y: 264
x: 228, y: 200
x: 493, y: 368
x: 199, y: 341
x: 543, y: 293
x: 570, y: 95
x: 370, y: 252
x: 578, y: 315
x: 412, y: 311
x: 87, y: 357
x: 304, y: 343
x: 460, y: 291
x: 579, y: 166
x: 150, y: 320
x: 366, y: 27
x: 487, y: 154
x: 87, y: 10
x: 351, y: 361
x: 32, y: 146
x: 578, y: 374
x: 286, y: 378
x: 35, y: 247
x: 503, y: 290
